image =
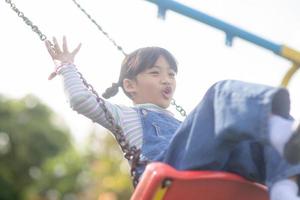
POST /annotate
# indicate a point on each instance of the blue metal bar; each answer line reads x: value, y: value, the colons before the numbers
x: 230, y: 30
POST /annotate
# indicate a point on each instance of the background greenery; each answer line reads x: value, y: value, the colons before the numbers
x: 39, y: 161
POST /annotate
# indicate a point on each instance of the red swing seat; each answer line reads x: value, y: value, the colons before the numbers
x: 162, y: 182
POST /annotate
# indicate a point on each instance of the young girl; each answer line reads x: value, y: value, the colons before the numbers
x: 238, y: 127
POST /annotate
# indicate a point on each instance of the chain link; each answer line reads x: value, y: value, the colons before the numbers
x: 178, y: 108
x: 130, y: 153
x: 34, y: 28
x: 100, y: 28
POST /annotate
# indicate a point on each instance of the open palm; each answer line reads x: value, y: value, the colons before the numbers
x: 62, y: 55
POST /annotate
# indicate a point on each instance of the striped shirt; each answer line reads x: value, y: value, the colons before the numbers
x: 84, y: 102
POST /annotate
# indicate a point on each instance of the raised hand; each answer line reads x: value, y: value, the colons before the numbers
x: 59, y: 55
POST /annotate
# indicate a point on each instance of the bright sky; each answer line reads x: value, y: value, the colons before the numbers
x: 200, y: 50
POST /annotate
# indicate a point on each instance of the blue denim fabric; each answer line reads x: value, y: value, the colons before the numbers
x: 227, y: 131
x: 158, y: 130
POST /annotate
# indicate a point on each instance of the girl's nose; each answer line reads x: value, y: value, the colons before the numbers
x: 165, y: 80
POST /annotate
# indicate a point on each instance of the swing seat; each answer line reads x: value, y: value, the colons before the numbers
x: 162, y: 182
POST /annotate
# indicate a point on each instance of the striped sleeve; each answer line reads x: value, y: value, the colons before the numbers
x: 84, y: 102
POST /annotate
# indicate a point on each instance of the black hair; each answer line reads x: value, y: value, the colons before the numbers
x: 137, y: 62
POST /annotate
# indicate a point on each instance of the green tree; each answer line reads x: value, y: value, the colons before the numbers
x: 38, y: 160
x: 63, y: 177
x: 28, y: 137
x: 109, y: 171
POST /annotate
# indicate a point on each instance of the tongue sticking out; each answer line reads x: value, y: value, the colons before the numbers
x: 167, y: 92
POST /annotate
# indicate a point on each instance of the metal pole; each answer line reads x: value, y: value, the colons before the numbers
x: 230, y: 30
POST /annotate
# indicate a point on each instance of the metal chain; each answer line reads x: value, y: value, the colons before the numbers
x: 34, y: 28
x: 100, y: 28
x: 130, y: 153
x: 178, y: 108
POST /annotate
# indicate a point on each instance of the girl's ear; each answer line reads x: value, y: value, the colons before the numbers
x: 129, y: 86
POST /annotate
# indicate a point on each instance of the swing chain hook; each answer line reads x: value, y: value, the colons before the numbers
x: 100, y: 28
x: 34, y: 28
x: 178, y: 108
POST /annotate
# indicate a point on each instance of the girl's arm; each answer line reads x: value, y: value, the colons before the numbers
x: 83, y: 100
x: 80, y: 98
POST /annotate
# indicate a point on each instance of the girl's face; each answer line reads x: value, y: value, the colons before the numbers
x: 155, y: 85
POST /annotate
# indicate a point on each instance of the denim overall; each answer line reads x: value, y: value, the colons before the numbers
x: 227, y: 131
x: 158, y: 130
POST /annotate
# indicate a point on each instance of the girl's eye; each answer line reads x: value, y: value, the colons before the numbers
x: 172, y: 74
x: 154, y: 72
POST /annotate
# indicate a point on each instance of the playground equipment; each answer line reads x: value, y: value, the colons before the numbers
x: 231, y: 32
x: 160, y: 181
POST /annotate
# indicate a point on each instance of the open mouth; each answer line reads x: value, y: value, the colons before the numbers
x: 167, y: 92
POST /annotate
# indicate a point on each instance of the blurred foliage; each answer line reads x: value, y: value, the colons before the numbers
x: 38, y: 160
x: 109, y: 170
x: 27, y: 138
